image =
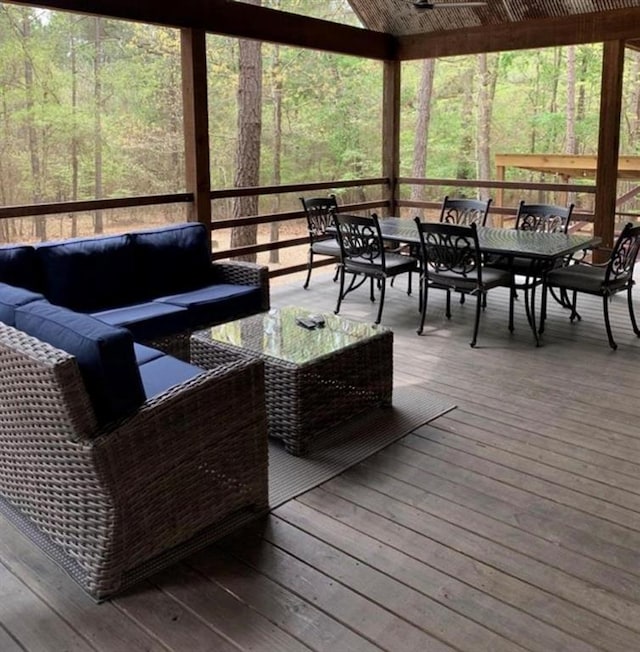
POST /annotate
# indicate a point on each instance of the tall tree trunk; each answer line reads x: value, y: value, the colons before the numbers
x: 487, y: 75
x: 421, y: 138
x: 552, y: 143
x: 571, y: 146
x: 466, y: 167
x: 634, y: 102
x: 40, y: 227
x: 98, y: 224
x: 249, y: 132
x: 74, y: 135
x: 276, y: 90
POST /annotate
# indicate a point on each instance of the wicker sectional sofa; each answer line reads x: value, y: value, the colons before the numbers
x: 160, y: 283
x: 117, y: 458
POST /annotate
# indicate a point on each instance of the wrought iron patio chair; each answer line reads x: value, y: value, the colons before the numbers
x: 452, y: 260
x: 319, y: 214
x: 603, y: 280
x: 363, y: 255
x: 542, y: 218
x: 465, y: 211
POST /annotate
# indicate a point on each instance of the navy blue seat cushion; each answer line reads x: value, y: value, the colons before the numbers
x: 145, y: 353
x: 147, y: 321
x: 104, y: 354
x: 164, y: 372
x: 19, y: 266
x: 91, y: 274
x: 217, y: 303
x: 13, y: 297
x: 173, y: 259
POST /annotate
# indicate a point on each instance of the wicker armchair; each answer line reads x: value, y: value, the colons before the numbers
x: 116, y: 504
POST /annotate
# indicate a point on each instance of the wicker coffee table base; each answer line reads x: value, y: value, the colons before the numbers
x: 304, y: 401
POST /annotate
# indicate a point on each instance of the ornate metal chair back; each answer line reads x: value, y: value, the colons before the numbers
x: 623, y: 257
x: 465, y: 211
x: 543, y: 218
x: 360, y: 238
x: 319, y: 212
x: 450, y: 249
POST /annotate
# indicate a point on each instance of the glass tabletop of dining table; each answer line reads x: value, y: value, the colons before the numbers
x: 543, y: 250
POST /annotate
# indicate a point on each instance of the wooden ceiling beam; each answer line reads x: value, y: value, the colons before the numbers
x: 237, y: 19
x: 620, y: 24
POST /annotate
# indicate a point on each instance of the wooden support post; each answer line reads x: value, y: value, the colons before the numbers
x: 391, y: 130
x: 608, y: 144
x: 196, y: 123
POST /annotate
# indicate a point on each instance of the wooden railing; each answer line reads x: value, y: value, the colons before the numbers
x: 383, y: 205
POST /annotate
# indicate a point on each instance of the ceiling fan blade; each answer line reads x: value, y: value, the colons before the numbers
x: 424, y: 4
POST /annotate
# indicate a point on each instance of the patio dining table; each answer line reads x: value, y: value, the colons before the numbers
x: 543, y: 250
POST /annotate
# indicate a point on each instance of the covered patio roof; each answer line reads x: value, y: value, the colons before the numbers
x: 392, y: 29
x: 402, y: 18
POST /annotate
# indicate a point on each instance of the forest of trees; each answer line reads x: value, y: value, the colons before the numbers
x: 92, y: 108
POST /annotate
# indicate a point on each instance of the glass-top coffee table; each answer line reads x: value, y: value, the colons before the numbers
x: 314, y: 379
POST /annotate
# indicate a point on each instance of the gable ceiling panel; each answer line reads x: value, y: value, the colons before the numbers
x: 400, y: 17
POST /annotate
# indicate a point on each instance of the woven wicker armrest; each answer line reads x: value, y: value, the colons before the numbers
x: 244, y: 273
x: 113, y: 506
x: 184, y: 462
x: 198, y: 412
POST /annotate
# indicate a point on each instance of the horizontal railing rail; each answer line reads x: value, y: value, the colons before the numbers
x: 505, y: 185
x: 249, y: 251
x: 82, y: 206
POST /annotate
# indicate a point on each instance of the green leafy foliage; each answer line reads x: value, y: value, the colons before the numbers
x: 331, y: 107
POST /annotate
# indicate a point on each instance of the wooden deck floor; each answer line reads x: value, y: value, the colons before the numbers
x: 511, y: 523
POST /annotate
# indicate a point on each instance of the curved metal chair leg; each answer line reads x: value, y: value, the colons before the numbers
x: 527, y: 304
x: 383, y: 286
x: 574, y: 313
x: 477, y: 324
x: 543, y: 307
x: 337, y: 273
x: 632, y: 314
x: 341, y: 292
x: 309, y: 268
x: 448, y: 313
x: 562, y: 298
x: 511, y: 301
x: 372, y: 295
x: 423, y: 306
x: 607, y: 323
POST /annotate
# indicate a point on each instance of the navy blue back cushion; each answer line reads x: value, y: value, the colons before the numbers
x: 91, y: 274
x: 13, y: 297
x: 173, y: 259
x: 19, y: 266
x: 104, y: 353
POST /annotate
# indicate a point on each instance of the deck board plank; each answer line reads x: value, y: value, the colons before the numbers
x: 450, y: 593
x: 105, y: 627
x: 510, y: 523
x: 43, y: 630
x: 509, y: 576
x: 293, y: 614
